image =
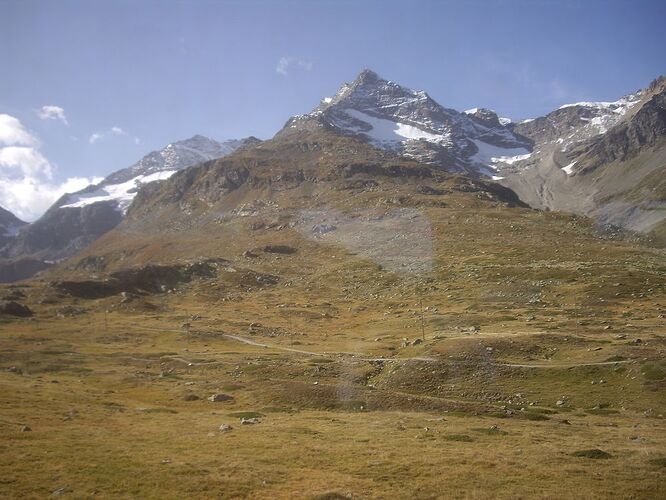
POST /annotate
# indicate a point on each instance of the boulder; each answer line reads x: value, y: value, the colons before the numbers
x: 216, y: 398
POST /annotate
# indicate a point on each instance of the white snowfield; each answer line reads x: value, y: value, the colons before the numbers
x: 388, y: 131
x: 569, y: 168
x: 620, y: 106
x: 122, y: 186
x: 489, y: 155
x: 122, y: 194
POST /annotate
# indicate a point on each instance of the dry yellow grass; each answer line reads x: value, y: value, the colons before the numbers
x: 520, y: 309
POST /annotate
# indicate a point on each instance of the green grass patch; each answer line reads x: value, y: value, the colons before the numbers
x: 278, y: 409
x: 158, y: 410
x: 653, y: 372
x: 464, y: 438
x: 490, y: 431
x: 602, y: 411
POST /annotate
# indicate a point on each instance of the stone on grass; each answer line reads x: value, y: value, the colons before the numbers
x: 216, y: 398
x: 250, y: 421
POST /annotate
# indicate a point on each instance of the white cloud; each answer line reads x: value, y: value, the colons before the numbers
x: 286, y: 64
x: 52, y: 113
x: 26, y: 176
x: 95, y: 137
x: 12, y: 132
x: 24, y: 161
x: 137, y: 140
x: 29, y: 198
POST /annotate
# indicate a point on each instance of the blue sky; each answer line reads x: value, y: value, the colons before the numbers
x: 160, y: 71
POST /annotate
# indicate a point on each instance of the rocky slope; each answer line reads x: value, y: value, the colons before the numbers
x: 9, y: 226
x: 285, y: 194
x: 605, y: 160
x: 77, y: 219
x: 600, y: 159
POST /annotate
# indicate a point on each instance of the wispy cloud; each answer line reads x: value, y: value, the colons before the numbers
x: 287, y: 64
x: 100, y: 134
x: 26, y: 176
x: 52, y: 113
x: 94, y: 137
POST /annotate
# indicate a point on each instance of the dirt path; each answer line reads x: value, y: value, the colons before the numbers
x: 565, y: 365
x: 363, y: 357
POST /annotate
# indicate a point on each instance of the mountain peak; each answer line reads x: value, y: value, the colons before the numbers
x: 367, y: 76
x: 411, y: 123
x: 197, y: 137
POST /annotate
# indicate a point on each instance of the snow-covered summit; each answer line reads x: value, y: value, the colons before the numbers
x: 175, y: 156
x: 121, y: 186
x: 411, y: 123
x: 601, y: 116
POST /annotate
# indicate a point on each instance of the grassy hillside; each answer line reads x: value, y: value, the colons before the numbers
x: 396, y: 332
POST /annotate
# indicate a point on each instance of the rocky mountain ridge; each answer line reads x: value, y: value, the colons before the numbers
x: 412, y: 124
x: 601, y: 159
x: 604, y: 160
x: 77, y: 219
x: 556, y: 162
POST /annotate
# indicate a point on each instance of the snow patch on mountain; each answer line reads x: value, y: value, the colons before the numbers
x: 386, y: 133
x: 490, y: 155
x: 412, y: 124
x: 620, y: 106
x: 176, y: 156
x: 122, y: 193
x: 121, y: 186
x: 569, y: 168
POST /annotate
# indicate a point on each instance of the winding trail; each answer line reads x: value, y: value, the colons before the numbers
x: 363, y: 357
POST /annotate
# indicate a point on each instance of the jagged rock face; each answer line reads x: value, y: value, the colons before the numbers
x: 120, y: 187
x: 646, y: 128
x: 587, y: 157
x: 78, y: 219
x: 9, y: 226
x: 603, y: 159
x: 412, y: 124
x: 62, y: 232
x: 574, y: 123
x: 177, y: 156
